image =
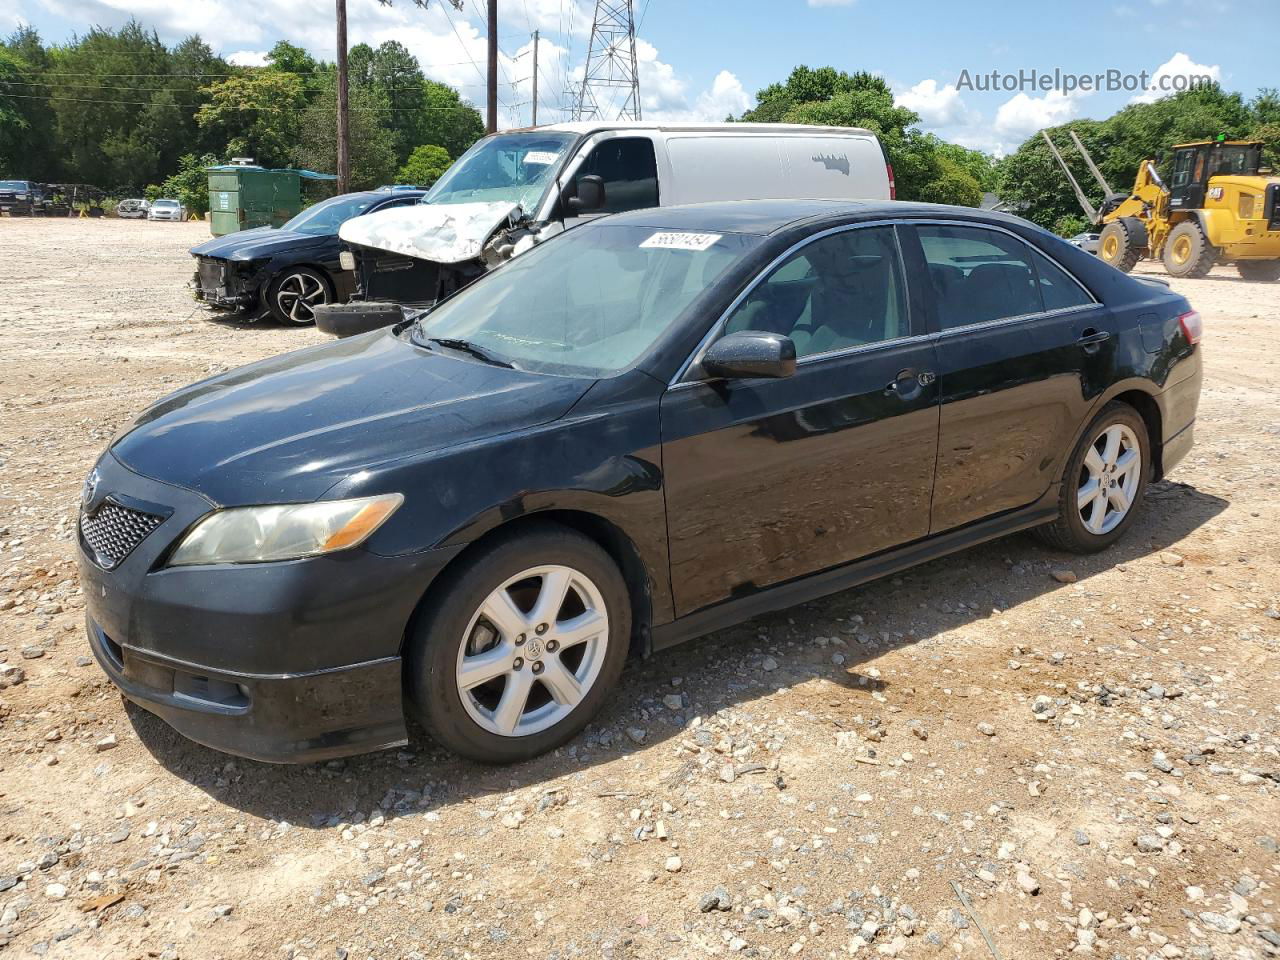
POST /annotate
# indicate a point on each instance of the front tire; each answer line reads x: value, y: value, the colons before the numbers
x: 293, y: 295
x: 1103, y: 484
x: 1259, y: 270
x: 521, y: 646
x: 1187, y: 252
x: 1118, y: 246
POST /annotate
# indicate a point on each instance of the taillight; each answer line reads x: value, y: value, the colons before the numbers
x: 893, y: 189
x: 1192, y: 326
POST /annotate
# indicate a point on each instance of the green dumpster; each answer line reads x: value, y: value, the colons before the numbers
x: 242, y: 196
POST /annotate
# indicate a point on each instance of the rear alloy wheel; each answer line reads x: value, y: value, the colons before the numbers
x: 294, y: 295
x: 519, y: 648
x: 1103, y: 484
x: 1187, y: 252
x: 1259, y: 270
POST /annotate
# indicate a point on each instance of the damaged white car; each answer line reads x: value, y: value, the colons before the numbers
x: 513, y: 190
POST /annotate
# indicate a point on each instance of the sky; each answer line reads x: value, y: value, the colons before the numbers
x: 705, y: 59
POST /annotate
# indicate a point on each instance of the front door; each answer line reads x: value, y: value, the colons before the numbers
x: 1022, y: 351
x: 769, y: 480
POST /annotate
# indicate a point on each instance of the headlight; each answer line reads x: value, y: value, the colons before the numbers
x: 286, y: 532
x: 22, y: 196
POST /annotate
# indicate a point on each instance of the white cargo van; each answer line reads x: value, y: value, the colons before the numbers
x: 515, y: 189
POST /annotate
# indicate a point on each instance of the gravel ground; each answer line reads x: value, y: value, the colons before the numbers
x: 1086, y: 747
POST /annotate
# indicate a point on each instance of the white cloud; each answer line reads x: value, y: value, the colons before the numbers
x: 937, y: 106
x: 248, y: 58
x: 1174, y: 76
x: 1021, y: 115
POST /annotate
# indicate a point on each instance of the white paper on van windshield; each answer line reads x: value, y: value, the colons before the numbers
x: 668, y: 240
x: 540, y: 157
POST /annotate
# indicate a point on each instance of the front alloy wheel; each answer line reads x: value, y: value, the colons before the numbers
x: 296, y: 294
x: 532, y: 650
x: 519, y: 643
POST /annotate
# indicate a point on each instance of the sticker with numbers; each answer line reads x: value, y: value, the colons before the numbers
x: 540, y: 157
x: 667, y: 240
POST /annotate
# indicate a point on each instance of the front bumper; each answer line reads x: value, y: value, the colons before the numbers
x: 284, y: 662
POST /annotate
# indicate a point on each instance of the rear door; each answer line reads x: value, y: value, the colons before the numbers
x: 768, y: 480
x: 1022, y: 350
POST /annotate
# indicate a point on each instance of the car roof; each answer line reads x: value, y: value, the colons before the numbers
x: 766, y: 217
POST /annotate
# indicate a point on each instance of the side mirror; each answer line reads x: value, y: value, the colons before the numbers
x: 750, y: 353
x: 589, y: 195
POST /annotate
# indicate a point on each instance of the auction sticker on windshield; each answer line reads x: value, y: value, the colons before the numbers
x: 666, y: 240
x: 540, y: 157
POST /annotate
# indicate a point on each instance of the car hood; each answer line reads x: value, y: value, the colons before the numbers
x: 288, y: 428
x: 255, y: 244
x: 440, y: 232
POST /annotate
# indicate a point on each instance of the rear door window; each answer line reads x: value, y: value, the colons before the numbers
x: 978, y: 275
x: 1058, y: 289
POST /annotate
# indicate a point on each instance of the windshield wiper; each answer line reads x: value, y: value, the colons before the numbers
x: 466, y: 346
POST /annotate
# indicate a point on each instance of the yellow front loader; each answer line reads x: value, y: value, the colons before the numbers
x: 1217, y: 208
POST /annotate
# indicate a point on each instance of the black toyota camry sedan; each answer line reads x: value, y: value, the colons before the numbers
x: 286, y: 272
x: 649, y: 427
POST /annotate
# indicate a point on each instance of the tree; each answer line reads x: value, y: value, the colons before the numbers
x: 373, y: 156
x: 190, y: 185
x: 425, y: 166
x: 14, y: 125
x: 829, y: 97
x: 448, y: 121
x: 256, y: 114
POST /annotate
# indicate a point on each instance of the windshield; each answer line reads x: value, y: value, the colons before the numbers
x: 588, y: 303
x: 509, y: 168
x: 13, y: 184
x: 165, y: 203
x: 1238, y: 160
x: 325, y: 217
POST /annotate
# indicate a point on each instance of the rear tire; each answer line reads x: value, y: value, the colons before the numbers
x: 1259, y: 270
x: 1103, y: 484
x: 500, y: 671
x: 1118, y: 246
x: 1187, y: 252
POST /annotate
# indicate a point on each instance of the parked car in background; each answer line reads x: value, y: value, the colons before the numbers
x: 132, y: 209
x: 290, y: 270
x: 513, y: 190
x: 1087, y: 241
x: 654, y: 426
x: 22, y: 198
x: 166, y: 210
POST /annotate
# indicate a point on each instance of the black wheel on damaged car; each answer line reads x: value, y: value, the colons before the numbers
x: 1103, y: 484
x: 1259, y: 270
x: 517, y: 650
x: 293, y: 295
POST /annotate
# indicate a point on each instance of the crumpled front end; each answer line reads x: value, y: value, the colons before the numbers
x: 226, y: 284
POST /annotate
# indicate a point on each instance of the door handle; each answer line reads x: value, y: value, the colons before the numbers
x: 906, y: 385
x: 1091, y: 340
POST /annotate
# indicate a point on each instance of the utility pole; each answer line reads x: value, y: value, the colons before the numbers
x: 611, y: 63
x: 492, y: 125
x: 535, y: 78
x: 344, y: 127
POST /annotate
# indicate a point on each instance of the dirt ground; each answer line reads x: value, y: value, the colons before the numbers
x: 1094, y: 764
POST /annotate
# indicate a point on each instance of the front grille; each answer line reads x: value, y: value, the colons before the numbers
x: 112, y: 531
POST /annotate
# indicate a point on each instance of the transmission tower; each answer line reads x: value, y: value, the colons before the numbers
x: 611, y: 64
